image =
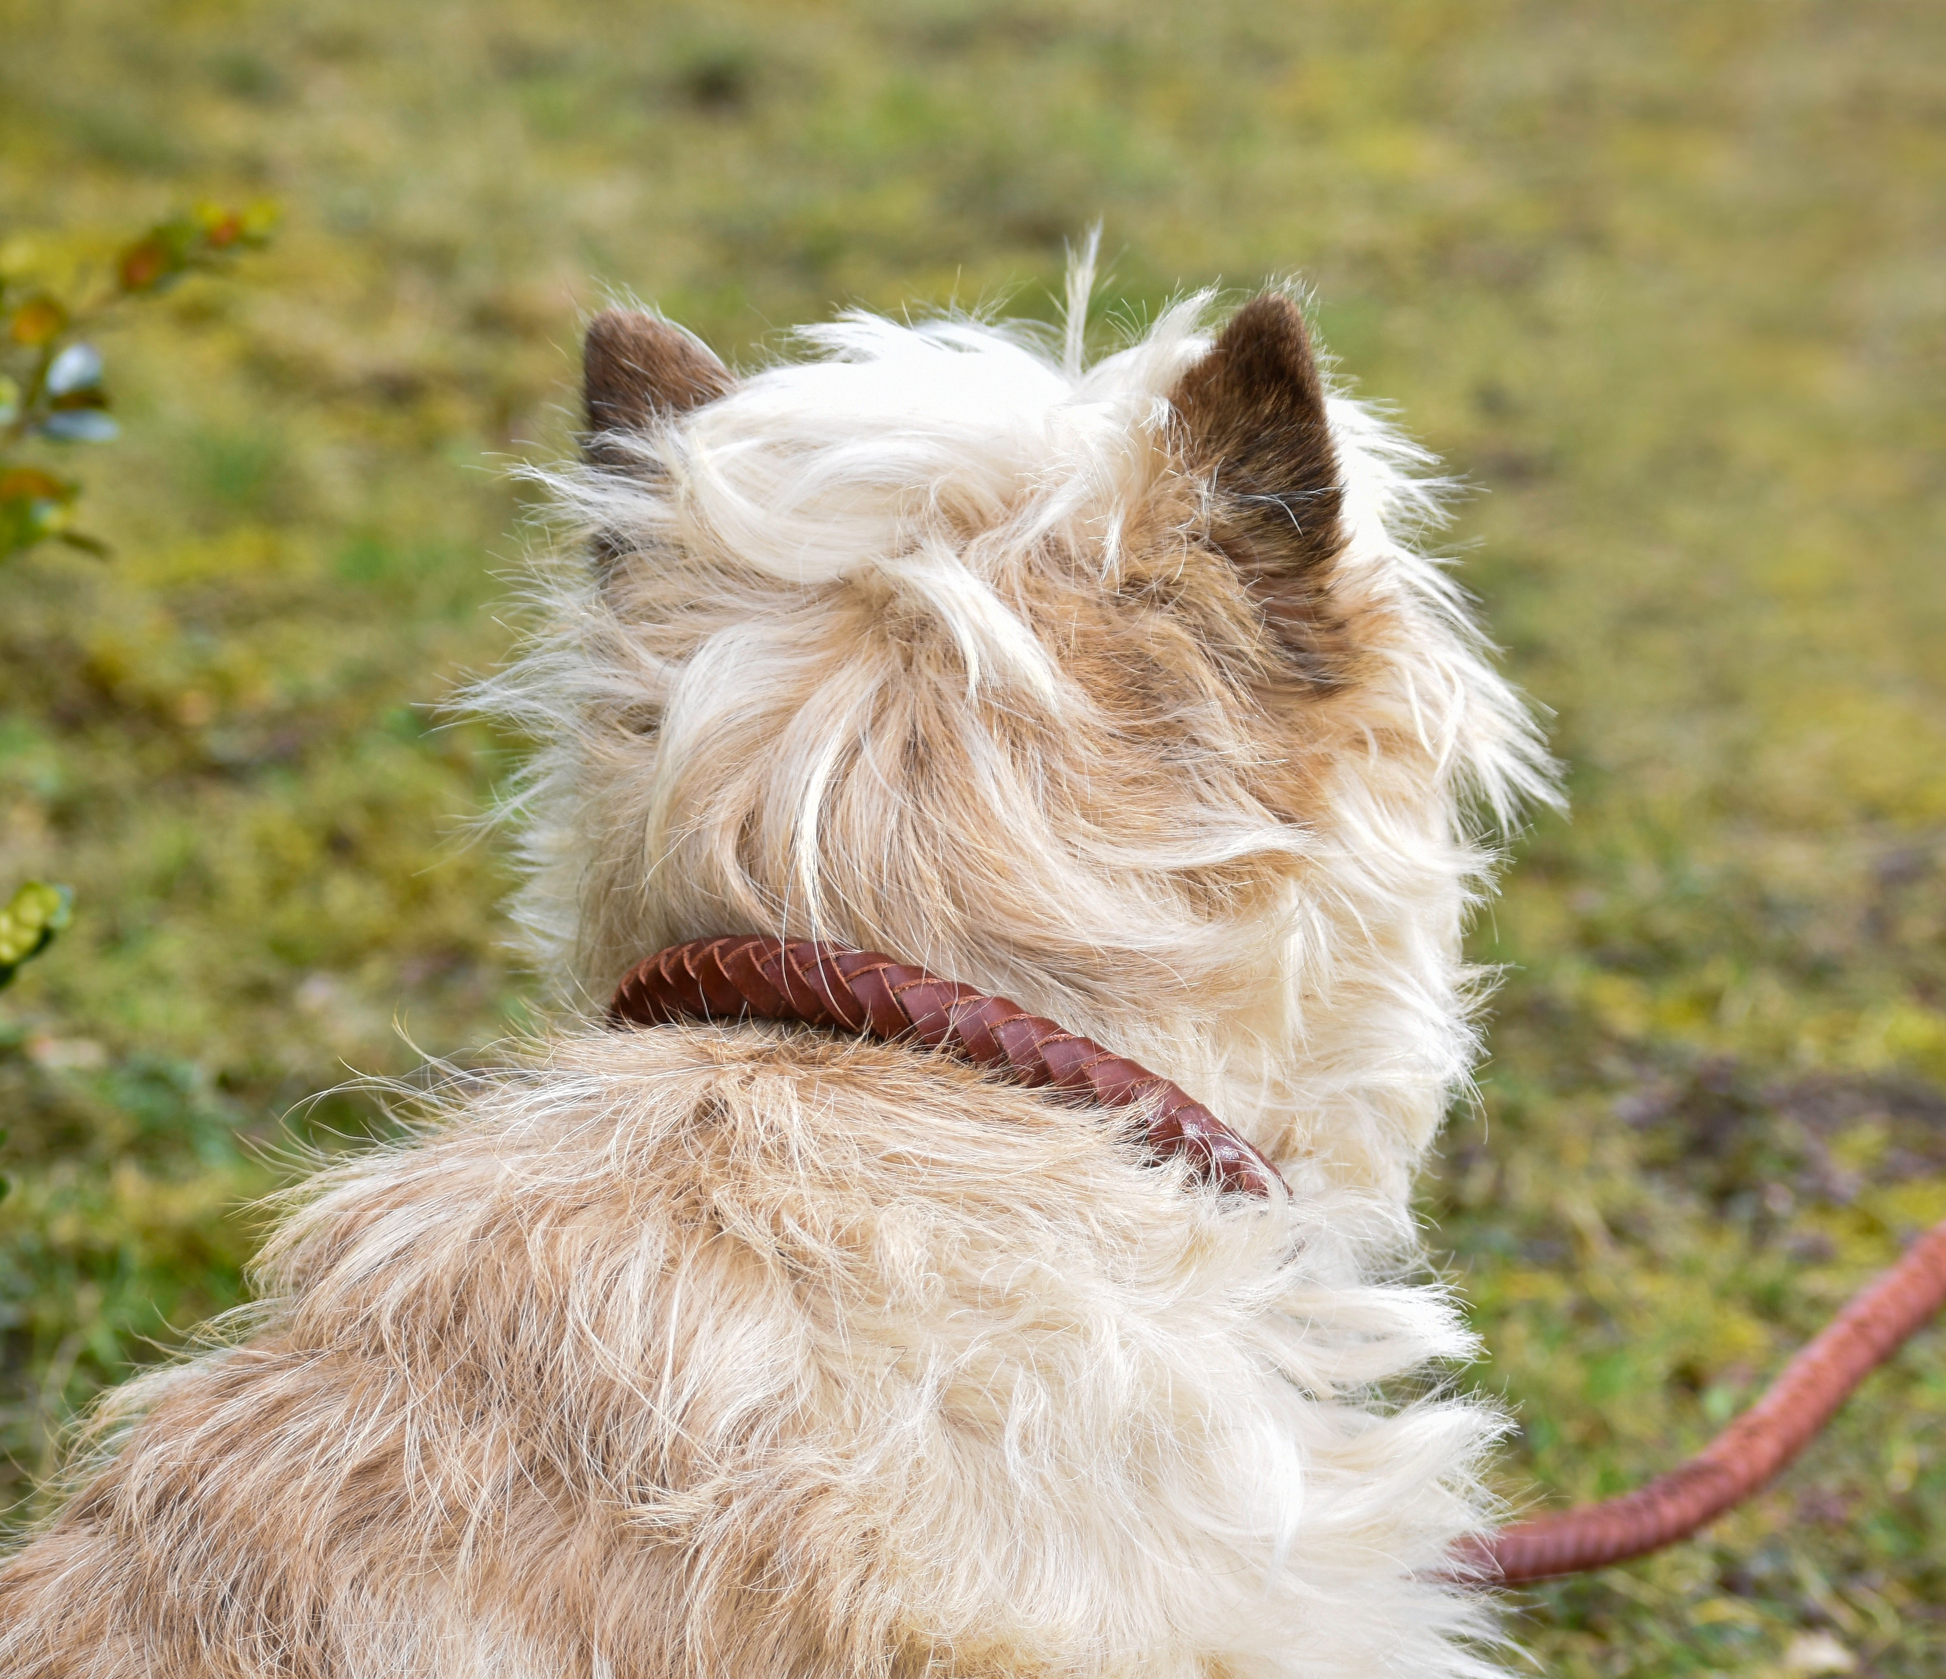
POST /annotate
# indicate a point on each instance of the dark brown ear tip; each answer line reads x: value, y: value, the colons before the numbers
x: 607, y: 323
x: 1267, y: 344
x: 1269, y: 314
x: 637, y: 367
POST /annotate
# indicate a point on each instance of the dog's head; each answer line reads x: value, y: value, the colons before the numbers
x: 1111, y: 688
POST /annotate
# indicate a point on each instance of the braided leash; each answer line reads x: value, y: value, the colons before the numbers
x: 855, y: 991
x: 1749, y: 1452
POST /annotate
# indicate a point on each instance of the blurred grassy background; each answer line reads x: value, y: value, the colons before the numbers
x: 1664, y: 278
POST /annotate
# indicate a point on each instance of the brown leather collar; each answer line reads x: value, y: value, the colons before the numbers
x: 749, y: 975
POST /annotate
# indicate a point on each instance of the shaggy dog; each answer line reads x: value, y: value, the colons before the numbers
x: 749, y: 1350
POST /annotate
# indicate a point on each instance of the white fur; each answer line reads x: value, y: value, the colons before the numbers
x: 732, y: 1350
x: 926, y: 470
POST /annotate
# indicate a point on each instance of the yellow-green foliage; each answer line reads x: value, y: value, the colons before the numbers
x: 1663, y: 278
x: 52, y: 394
x: 28, y: 922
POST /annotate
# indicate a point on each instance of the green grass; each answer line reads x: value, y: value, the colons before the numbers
x: 1662, y: 279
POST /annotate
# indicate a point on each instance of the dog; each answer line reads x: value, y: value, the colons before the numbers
x: 737, y: 1348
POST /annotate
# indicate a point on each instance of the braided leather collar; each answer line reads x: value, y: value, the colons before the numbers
x: 876, y: 996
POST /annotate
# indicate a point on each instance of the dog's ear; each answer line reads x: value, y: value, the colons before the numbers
x: 1254, y: 429
x: 635, y: 369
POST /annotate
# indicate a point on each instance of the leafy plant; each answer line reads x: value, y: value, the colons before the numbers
x: 52, y: 392
x: 51, y: 379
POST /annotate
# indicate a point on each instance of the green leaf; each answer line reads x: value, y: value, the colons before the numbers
x: 151, y: 262
x: 223, y: 228
x: 38, y: 319
x: 79, y: 425
x: 30, y: 483
x: 34, y: 505
x: 75, y: 371
x: 28, y: 923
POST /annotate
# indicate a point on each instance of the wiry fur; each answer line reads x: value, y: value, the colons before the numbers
x: 921, y: 646
x: 742, y: 1351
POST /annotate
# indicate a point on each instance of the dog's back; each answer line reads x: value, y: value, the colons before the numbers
x: 744, y: 1349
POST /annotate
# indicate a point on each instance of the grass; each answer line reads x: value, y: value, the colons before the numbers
x: 1662, y: 279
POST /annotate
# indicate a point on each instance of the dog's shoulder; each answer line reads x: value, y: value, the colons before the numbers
x: 740, y: 1148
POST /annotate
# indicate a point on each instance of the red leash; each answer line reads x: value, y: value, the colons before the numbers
x: 1879, y: 1320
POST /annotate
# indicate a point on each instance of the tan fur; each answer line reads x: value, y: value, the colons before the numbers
x: 634, y: 1373
x: 743, y: 1351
